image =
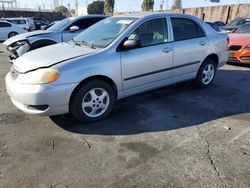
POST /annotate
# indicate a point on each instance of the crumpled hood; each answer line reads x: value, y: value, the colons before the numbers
x: 24, y: 36
x: 50, y: 55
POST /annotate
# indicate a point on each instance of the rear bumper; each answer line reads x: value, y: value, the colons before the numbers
x: 27, y: 97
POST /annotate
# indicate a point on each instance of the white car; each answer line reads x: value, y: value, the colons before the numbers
x: 8, y: 30
x: 25, y: 23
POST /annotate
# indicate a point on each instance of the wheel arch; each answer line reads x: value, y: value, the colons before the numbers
x: 12, y: 32
x: 96, y: 77
x: 213, y: 57
x: 41, y: 43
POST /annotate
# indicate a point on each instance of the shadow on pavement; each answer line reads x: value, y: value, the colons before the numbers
x: 172, y: 107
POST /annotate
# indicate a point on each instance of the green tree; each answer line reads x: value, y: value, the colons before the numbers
x: 147, y: 5
x: 61, y: 9
x: 109, y: 6
x: 97, y: 7
x: 177, y: 5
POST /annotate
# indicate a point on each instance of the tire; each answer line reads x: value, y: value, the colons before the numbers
x: 206, y: 74
x: 12, y: 34
x: 93, y: 101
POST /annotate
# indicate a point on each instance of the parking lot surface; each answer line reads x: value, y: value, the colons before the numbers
x: 177, y: 136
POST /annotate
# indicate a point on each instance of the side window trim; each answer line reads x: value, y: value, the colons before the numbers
x: 172, y: 30
x: 167, y: 30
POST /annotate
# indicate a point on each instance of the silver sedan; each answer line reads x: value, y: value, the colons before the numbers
x: 115, y: 58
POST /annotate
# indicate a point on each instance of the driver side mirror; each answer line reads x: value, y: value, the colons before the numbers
x: 73, y: 28
x: 130, y: 44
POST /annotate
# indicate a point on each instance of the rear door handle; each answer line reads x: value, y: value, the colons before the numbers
x: 167, y: 50
x: 203, y: 43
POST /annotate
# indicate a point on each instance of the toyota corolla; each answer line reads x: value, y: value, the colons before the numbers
x: 115, y: 58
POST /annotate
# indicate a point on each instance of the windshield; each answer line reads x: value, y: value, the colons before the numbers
x: 60, y: 25
x: 234, y: 22
x: 243, y: 29
x: 104, y: 32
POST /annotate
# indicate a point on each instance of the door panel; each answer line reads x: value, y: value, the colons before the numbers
x: 144, y: 67
x: 188, y: 55
x: 149, y: 65
x: 190, y: 47
x: 67, y: 35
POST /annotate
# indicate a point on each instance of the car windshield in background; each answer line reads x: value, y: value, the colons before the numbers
x: 243, y: 29
x: 60, y: 25
x: 18, y: 21
x: 234, y: 23
x: 104, y: 32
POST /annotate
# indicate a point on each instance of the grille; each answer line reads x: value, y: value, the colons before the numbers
x: 234, y: 48
x: 233, y: 60
x: 14, y: 73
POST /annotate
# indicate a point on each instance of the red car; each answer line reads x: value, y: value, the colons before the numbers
x: 239, y: 45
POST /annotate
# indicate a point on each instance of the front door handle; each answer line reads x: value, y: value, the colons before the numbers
x: 203, y: 43
x: 167, y: 50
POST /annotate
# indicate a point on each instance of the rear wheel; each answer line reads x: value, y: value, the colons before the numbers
x: 12, y: 34
x: 93, y: 101
x: 206, y: 74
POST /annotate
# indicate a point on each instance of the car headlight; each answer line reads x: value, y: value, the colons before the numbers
x: 247, y: 47
x: 40, y: 76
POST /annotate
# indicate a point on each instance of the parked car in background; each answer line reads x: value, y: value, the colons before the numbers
x: 39, y: 24
x: 214, y: 26
x: 62, y: 31
x: 8, y: 30
x: 115, y: 58
x: 219, y: 24
x: 239, y: 45
x: 44, y: 27
x: 235, y: 24
x: 25, y: 23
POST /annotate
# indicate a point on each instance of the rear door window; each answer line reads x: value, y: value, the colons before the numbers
x: 184, y: 29
x: 4, y: 24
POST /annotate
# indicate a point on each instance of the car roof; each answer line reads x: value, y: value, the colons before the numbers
x: 90, y: 16
x: 152, y: 14
x: 21, y: 18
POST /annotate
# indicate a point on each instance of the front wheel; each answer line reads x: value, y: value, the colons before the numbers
x: 93, y: 101
x: 206, y: 74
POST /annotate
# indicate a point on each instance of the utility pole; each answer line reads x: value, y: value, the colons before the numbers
x: 162, y: 5
x: 167, y: 8
x: 76, y: 7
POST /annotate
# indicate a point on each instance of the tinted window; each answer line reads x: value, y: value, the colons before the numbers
x: 18, y: 21
x: 4, y: 24
x: 86, y: 22
x: 151, y: 32
x: 186, y: 29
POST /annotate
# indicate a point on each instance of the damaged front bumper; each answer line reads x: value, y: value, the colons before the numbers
x: 17, y: 49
